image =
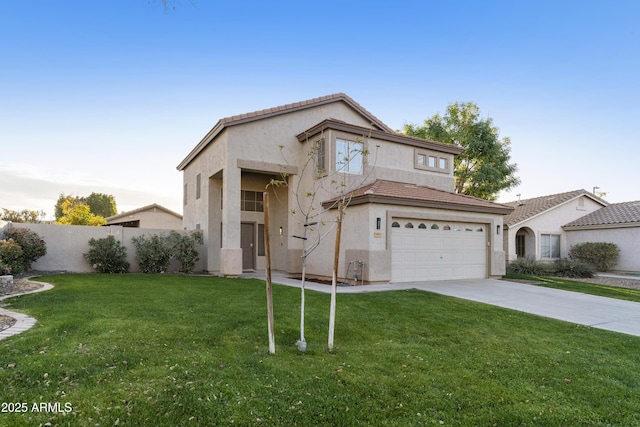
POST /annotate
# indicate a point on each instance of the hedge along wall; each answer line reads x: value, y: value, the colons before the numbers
x: 66, y: 245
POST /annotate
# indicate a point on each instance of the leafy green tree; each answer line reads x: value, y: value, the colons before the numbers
x: 58, y: 212
x: 483, y: 169
x: 101, y: 204
x: 78, y: 213
x: 23, y: 216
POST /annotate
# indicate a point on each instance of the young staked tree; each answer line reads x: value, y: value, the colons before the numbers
x: 483, y: 169
x: 314, y: 185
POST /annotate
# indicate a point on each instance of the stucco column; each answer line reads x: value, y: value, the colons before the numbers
x: 231, y: 252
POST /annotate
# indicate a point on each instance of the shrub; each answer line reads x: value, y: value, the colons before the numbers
x: 184, y: 248
x: 566, y: 267
x: 11, y: 257
x: 107, y: 255
x: 153, y: 253
x: 602, y: 256
x: 32, y: 245
x: 528, y: 265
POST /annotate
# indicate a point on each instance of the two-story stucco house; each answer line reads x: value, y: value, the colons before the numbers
x: 403, y: 223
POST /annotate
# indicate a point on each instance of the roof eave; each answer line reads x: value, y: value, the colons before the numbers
x: 600, y: 226
x: 275, y: 111
x: 208, y: 138
x: 387, y: 200
x: 373, y: 133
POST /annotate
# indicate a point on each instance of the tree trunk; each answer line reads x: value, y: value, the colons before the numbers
x: 267, y: 253
x: 334, y: 278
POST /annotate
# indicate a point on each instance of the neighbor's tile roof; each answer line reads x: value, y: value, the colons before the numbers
x: 527, y: 208
x: 617, y: 213
x: 143, y: 209
x: 282, y: 109
x: 399, y: 193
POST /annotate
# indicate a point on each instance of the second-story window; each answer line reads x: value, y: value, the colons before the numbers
x: 349, y: 156
x: 431, y: 161
x: 251, y: 201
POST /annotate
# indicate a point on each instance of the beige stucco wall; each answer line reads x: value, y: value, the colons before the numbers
x: 551, y: 222
x: 66, y: 245
x: 362, y: 242
x: 154, y: 218
x: 626, y: 238
x: 231, y: 162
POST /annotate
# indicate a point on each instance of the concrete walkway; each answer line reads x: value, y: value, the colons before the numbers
x: 23, y: 322
x: 589, y: 310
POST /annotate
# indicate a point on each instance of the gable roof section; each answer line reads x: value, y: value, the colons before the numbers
x: 399, y: 138
x: 625, y: 214
x: 275, y: 111
x: 528, y: 208
x: 143, y: 209
x: 398, y: 193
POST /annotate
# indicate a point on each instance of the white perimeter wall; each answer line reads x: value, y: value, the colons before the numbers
x: 627, y: 239
x: 66, y: 245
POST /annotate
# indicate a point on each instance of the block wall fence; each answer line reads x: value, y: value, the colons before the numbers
x: 66, y: 245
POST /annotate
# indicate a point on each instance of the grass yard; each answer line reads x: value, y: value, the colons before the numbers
x: 575, y: 285
x: 193, y: 351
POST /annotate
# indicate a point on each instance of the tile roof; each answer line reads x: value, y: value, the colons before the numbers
x: 627, y: 213
x: 282, y: 109
x: 381, y: 135
x: 399, y: 193
x: 527, y: 208
x: 267, y: 112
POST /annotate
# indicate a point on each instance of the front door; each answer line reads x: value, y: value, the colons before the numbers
x: 520, y: 244
x: 247, y: 243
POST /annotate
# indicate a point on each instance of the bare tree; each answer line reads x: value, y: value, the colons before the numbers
x: 315, y: 181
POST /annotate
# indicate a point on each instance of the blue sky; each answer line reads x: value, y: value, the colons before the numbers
x: 109, y: 96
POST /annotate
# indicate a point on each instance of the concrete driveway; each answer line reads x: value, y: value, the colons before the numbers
x: 589, y: 310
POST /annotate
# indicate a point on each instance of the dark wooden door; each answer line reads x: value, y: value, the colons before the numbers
x: 520, y: 244
x: 247, y: 243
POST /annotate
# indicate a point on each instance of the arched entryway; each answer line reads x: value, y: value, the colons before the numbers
x: 525, y: 243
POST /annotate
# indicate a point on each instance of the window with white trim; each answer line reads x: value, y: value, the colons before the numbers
x: 550, y: 245
x: 349, y: 156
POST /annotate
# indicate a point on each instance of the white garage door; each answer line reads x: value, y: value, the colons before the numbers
x: 437, y: 250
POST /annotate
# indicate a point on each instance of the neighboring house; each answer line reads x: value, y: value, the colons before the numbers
x: 617, y: 223
x: 404, y: 222
x: 534, y: 228
x: 151, y: 216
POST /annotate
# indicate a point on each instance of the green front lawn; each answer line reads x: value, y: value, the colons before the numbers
x: 174, y: 350
x: 575, y: 285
